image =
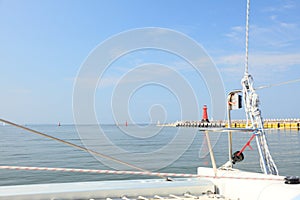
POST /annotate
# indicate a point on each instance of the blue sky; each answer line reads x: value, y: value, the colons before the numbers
x: 44, y: 43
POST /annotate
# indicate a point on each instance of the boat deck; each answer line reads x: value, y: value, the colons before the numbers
x: 186, y: 196
x: 143, y: 189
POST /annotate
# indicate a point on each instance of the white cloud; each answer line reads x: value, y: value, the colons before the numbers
x: 261, y: 59
x: 233, y: 59
x: 262, y: 64
x: 278, y: 34
x: 288, y: 5
x: 237, y: 34
x: 279, y: 61
x: 142, y: 73
x: 108, y: 81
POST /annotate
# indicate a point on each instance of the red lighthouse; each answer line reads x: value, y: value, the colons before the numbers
x: 204, y: 115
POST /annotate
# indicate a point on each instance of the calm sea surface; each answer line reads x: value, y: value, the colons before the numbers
x: 154, y: 148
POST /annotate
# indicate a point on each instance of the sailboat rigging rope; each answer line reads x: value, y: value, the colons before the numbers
x: 161, y: 174
x: 247, y: 36
x: 77, y: 147
x: 278, y: 84
x: 251, y: 102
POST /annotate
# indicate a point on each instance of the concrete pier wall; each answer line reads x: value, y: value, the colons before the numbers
x: 268, y: 123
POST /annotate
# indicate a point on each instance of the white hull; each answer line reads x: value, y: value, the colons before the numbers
x: 229, y: 184
x: 107, y: 189
x: 236, y: 184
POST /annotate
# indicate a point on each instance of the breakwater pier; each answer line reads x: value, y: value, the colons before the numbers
x: 268, y: 123
x: 291, y: 123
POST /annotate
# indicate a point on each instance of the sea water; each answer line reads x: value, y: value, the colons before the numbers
x: 162, y: 149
